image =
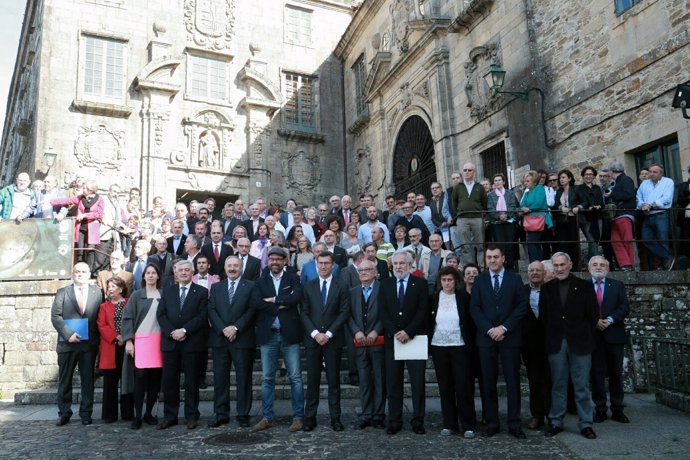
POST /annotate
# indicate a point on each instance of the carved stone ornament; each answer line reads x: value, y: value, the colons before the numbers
x: 301, y: 171
x: 406, y: 96
x: 100, y: 147
x: 402, y: 11
x: 259, y: 136
x: 363, y: 171
x: 208, y: 133
x: 210, y: 24
x: 479, y: 98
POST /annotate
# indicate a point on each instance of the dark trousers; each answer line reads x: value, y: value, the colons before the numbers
x: 67, y: 362
x: 607, y: 361
x: 568, y: 237
x: 223, y: 359
x: 147, y: 384
x: 111, y: 378
x: 394, y: 384
x: 174, y: 362
x: 456, y: 387
x: 504, y: 237
x: 539, y: 378
x: 316, y: 356
x: 102, y: 255
x: 510, y: 363
x: 371, y: 362
x: 84, y: 252
x: 476, y: 372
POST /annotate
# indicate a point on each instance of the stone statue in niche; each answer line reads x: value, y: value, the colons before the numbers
x: 209, y: 152
x: 363, y: 170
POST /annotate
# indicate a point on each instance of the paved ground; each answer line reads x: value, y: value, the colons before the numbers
x: 29, y: 432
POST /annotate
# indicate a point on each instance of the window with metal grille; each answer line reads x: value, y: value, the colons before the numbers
x: 360, y: 71
x: 208, y: 77
x: 666, y: 153
x: 494, y: 160
x: 297, y: 26
x: 104, y: 67
x: 299, y: 111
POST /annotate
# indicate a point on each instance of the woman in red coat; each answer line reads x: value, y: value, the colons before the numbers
x: 87, y: 226
x: 112, y: 351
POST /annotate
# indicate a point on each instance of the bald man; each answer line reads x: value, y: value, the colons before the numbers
x: 18, y: 201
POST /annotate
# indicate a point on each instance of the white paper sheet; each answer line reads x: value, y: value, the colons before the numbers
x: 417, y: 348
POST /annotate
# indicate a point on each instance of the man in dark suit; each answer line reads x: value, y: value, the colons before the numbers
x: 403, y: 303
x: 325, y: 309
x: 568, y: 308
x: 365, y: 327
x: 252, y: 224
x: 163, y: 259
x: 498, y: 304
x: 382, y: 270
x: 182, y: 316
x: 350, y: 274
x: 136, y: 267
x: 610, y: 339
x: 216, y: 252
x: 79, y: 302
x: 534, y: 350
x: 251, y: 266
x: 339, y: 253
x: 233, y: 342
x: 279, y: 328
x: 176, y: 241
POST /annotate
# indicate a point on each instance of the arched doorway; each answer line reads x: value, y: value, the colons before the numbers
x: 414, y: 168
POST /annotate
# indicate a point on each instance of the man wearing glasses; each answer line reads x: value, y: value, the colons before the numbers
x: 469, y: 198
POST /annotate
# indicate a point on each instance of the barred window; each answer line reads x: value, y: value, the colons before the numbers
x: 104, y: 67
x: 300, y: 109
x: 360, y: 71
x: 297, y: 26
x: 208, y: 78
x: 494, y: 160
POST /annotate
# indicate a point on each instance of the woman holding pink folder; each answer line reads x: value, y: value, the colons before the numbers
x: 142, y: 335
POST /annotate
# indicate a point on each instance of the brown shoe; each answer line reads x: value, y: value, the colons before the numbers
x: 296, y: 426
x: 535, y: 422
x: 263, y: 424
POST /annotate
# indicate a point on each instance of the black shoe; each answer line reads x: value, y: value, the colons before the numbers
x: 619, y: 416
x: 378, y: 424
x: 336, y: 425
x: 218, y: 422
x: 283, y: 372
x: 361, y: 424
x: 202, y: 384
x: 109, y: 420
x: 600, y: 416
x: 552, y: 430
x: 418, y: 429
x: 243, y: 422
x: 150, y: 419
x: 165, y: 424
x: 64, y: 420
x: 309, y: 424
x: 354, y: 380
x: 518, y: 433
x: 393, y: 429
x: 491, y: 431
x: 136, y: 424
x: 192, y: 423
x: 86, y: 421
x: 588, y: 433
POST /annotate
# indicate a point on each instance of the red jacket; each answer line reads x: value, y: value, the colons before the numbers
x: 92, y: 218
x: 106, y: 327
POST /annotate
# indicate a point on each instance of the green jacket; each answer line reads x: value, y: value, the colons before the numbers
x: 7, y: 201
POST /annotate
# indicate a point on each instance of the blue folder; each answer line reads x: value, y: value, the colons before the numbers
x: 78, y: 325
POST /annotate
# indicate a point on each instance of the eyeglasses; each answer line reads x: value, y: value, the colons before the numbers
x: 553, y: 180
x: 468, y: 170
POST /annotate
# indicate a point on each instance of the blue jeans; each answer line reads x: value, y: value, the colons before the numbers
x: 655, y: 236
x: 562, y: 364
x: 270, y: 353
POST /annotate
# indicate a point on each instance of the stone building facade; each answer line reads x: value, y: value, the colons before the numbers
x: 598, y: 79
x: 193, y: 98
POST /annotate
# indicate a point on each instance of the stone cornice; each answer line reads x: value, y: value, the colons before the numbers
x: 302, y: 136
x: 362, y: 18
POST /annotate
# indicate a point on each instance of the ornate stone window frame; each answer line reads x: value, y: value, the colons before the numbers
x: 190, y: 54
x: 299, y: 131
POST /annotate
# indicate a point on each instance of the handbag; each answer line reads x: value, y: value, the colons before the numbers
x: 533, y: 223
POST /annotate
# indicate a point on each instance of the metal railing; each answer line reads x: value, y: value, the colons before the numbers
x: 673, y: 364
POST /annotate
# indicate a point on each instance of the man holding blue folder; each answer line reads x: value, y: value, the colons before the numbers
x: 74, y: 313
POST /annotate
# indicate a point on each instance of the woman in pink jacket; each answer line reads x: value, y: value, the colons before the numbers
x: 87, y: 224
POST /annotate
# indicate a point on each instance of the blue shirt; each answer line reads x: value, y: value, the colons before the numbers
x: 660, y: 193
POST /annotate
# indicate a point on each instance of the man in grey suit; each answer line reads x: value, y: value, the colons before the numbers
x: 365, y: 327
x: 325, y: 309
x: 233, y: 341
x: 79, y: 302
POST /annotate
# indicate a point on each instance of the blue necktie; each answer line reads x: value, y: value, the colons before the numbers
x: 138, y: 270
x: 324, y: 293
x: 367, y: 293
x: 401, y: 294
x: 183, y: 296
x: 497, y: 285
x: 231, y: 290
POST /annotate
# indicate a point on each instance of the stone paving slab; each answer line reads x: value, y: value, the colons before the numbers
x: 28, y: 432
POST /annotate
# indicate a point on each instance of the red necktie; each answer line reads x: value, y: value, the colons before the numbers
x: 346, y: 217
x: 81, y: 301
x: 600, y: 295
x: 216, y: 252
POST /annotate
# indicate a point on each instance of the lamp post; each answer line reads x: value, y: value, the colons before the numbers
x: 49, y: 157
x: 495, y: 77
x: 681, y: 99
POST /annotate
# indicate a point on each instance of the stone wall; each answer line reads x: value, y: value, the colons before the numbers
x: 27, y: 339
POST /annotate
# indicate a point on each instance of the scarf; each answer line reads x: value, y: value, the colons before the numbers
x: 501, y: 205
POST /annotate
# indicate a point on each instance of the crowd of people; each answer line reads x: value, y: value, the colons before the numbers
x: 153, y: 291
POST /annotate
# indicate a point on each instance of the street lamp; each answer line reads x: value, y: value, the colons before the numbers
x: 681, y: 99
x: 495, y: 77
x: 49, y: 157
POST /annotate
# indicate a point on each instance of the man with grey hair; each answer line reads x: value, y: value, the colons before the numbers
x: 470, y: 198
x: 568, y: 309
x: 610, y: 339
x: 654, y: 199
x: 622, y: 195
x: 18, y: 201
